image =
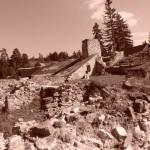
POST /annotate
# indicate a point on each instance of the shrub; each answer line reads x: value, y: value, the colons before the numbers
x: 37, y: 64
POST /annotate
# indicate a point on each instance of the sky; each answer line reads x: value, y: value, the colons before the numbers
x: 44, y: 26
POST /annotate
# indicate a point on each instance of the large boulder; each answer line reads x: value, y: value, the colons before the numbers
x: 104, y: 135
x: 46, y: 143
x: 140, y: 106
x: 67, y: 135
x: 43, y: 129
x: 15, y: 142
x: 2, y: 142
x: 23, y: 127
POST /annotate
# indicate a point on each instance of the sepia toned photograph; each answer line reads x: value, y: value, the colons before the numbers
x: 74, y: 75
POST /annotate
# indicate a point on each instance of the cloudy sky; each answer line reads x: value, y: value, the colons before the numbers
x: 43, y: 26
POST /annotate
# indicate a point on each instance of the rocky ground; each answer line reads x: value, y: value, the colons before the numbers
x: 76, y: 116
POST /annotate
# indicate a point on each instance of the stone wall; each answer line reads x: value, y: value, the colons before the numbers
x: 90, y: 46
x: 16, y: 94
x: 62, y: 95
x: 80, y: 72
x: 47, y: 79
x: 118, y: 56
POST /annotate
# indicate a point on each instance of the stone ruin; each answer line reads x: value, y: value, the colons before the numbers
x: 90, y: 47
x: 80, y: 115
x: 91, y: 63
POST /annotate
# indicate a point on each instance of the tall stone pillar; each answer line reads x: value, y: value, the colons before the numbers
x: 90, y: 47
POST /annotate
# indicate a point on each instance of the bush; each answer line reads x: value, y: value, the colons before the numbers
x: 37, y: 64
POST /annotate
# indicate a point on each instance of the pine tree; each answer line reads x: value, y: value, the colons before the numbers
x: 122, y: 34
x: 16, y: 59
x: 41, y: 58
x: 25, y: 60
x: 109, y: 23
x: 3, y: 63
x: 55, y: 56
x: 149, y: 38
x: 74, y: 55
x: 79, y: 54
x: 63, y: 56
x: 99, y: 35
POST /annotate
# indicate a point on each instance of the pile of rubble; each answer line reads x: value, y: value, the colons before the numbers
x: 136, y: 64
x: 17, y: 94
x: 135, y: 59
x: 87, y: 116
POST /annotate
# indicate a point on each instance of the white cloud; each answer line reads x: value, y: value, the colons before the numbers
x: 94, y: 3
x: 129, y: 17
x: 138, y: 42
x: 140, y: 34
x: 98, y: 7
x: 140, y: 37
x: 126, y: 15
x: 99, y: 13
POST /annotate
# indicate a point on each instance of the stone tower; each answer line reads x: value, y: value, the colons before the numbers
x: 90, y: 46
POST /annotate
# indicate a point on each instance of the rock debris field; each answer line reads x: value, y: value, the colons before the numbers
x: 75, y: 115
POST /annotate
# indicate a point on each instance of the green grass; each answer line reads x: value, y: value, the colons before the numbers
x: 108, y: 79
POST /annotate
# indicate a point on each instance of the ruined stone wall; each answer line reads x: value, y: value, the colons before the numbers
x: 67, y: 92
x: 48, y: 79
x: 118, y: 56
x: 17, y: 93
x: 80, y: 72
x: 90, y: 46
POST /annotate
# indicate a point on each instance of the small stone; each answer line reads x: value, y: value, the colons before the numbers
x: 132, y: 113
x: 148, y: 137
x: 20, y: 119
x: 90, y: 117
x: 91, y: 100
x: 128, y: 140
x: 83, y: 139
x: 2, y: 142
x: 104, y: 134
x: 119, y: 133
x: 145, y: 125
x: 29, y: 146
x: 146, y: 145
x: 52, y: 105
x: 46, y: 143
x: 96, y: 142
x: 138, y: 134
x: 102, y: 118
x: 75, y: 110
x: 129, y: 148
x: 56, y: 94
x: 57, y: 124
x: 79, y: 97
x: 76, y: 144
x: 127, y: 85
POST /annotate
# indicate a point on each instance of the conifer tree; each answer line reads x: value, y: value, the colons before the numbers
x: 3, y: 63
x: 117, y: 32
x: 16, y: 58
x: 25, y: 61
x: 149, y: 38
x: 122, y: 34
x: 110, y: 41
x: 99, y: 35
